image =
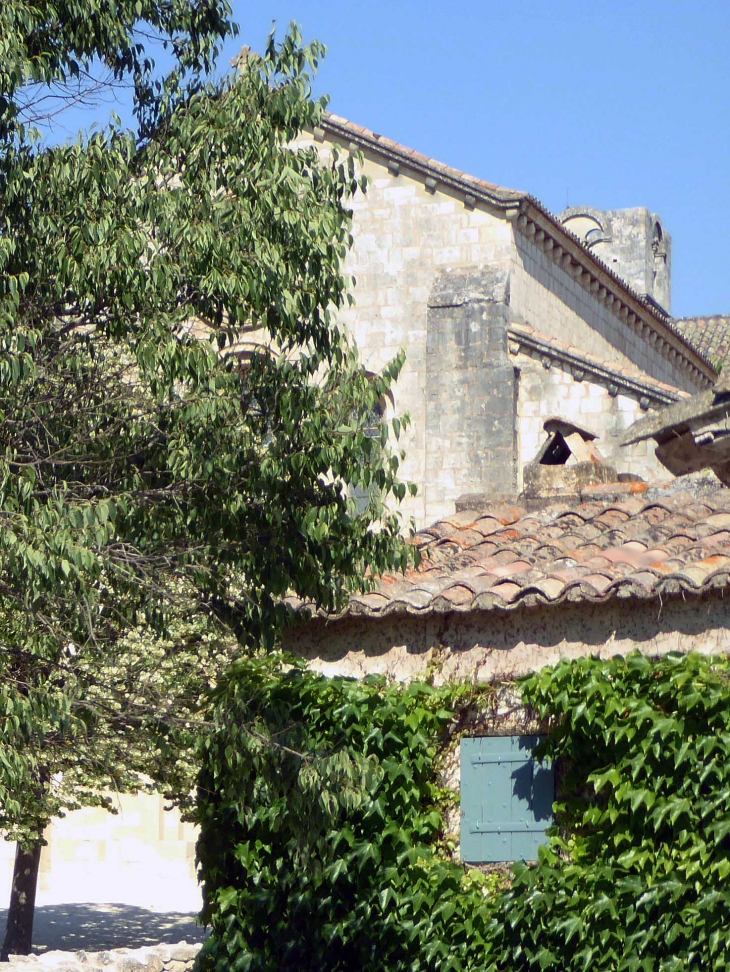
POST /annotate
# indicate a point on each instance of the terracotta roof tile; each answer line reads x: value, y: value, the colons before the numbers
x: 708, y: 335
x: 599, y: 583
x: 718, y: 520
x: 665, y: 542
x: 459, y: 594
x: 507, y: 591
x: 610, y: 518
x: 720, y: 539
x: 509, y: 570
x: 462, y: 519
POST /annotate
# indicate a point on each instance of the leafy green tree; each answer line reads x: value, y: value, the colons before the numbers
x: 182, y: 422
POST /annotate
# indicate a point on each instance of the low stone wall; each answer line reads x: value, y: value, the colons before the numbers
x: 151, y: 958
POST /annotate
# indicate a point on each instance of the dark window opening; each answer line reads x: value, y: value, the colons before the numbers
x: 556, y: 452
x: 567, y: 442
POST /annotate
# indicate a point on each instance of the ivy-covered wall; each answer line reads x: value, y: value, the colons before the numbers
x: 325, y: 843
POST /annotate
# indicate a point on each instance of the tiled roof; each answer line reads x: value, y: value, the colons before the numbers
x: 622, y: 540
x: 708, y: 335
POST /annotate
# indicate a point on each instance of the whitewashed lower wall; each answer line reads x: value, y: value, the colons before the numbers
x: 142, y: 856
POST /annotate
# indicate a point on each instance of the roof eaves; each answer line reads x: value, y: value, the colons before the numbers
x: 496, y: 197
x: 654, y: 392
x: 706, y: 405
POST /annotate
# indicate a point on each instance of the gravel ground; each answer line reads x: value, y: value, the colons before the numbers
x: 94, y: 927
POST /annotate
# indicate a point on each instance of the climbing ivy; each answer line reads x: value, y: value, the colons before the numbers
x: 323, y: 834
x: 321, y: 824
x: 637, y: 880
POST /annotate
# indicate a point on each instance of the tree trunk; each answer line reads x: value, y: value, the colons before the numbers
x: 19, y: 930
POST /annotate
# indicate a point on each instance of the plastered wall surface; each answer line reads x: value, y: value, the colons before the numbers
x: 495, y: 644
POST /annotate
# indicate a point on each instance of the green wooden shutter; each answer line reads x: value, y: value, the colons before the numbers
x: 506, y: 799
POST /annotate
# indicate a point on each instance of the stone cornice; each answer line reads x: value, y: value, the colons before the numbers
x: 583, y: 365
x: 637, y: 313
x: 434, y: 174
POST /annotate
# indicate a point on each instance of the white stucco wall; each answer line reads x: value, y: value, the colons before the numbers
x: 142, y: 856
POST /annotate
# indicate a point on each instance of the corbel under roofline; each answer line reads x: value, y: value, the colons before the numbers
x: 649, y: 394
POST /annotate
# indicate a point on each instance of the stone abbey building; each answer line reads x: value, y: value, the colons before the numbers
x: 509, y: 316
x: 533, y: 343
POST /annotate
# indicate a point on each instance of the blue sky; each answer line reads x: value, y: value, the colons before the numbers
x: 606, y: 104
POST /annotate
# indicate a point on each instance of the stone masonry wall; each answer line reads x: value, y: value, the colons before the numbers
x: 548, y: 298
x: 553, y: 392
x: 632, y: 242
x: 404, y: 237
x: 154, y: 958
x: 641, y: 250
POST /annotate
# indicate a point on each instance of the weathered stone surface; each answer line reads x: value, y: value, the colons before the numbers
x: 633, y: 243
x: 184, y: 952
x: 161, y: 958
x: 480, y: 501
x: 541, y: 480
x: 470, y: 397
x: 547, y: 392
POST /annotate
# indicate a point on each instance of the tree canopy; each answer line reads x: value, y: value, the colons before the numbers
x: 182, y: 422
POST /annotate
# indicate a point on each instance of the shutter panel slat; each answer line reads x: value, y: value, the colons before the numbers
x: 506, y: 799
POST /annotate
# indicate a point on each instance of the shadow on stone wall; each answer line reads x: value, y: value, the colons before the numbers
x: 95, y: 927
x: 488, y: 644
